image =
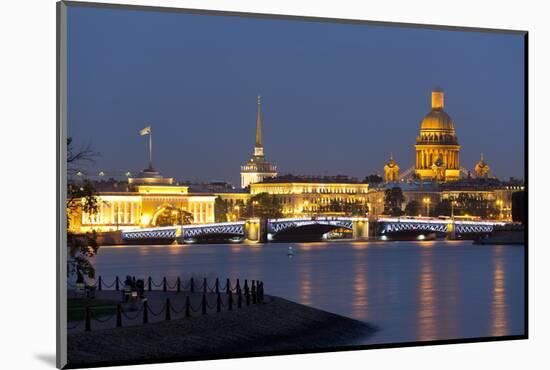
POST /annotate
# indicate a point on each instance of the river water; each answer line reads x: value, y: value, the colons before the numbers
x: 411, y: 291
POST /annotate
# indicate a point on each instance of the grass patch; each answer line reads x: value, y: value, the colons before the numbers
x: 76, y: 308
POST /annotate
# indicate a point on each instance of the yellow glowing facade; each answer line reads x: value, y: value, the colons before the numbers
x: 437, y: 148
x: 313, y: 198
x: 141, y: 205
x: 391, y: 171
x: 482, y: 168
x: 257, y: 169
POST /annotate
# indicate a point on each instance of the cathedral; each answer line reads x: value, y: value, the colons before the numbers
x: 437, y: 148
x: 257, y: 168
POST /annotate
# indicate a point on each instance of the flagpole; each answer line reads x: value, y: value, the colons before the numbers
x: 151, y: 149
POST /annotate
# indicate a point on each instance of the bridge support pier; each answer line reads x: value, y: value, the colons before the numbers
x: 360, y: 228
x: 255, y: 230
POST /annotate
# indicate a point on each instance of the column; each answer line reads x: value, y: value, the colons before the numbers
x: 132, y: 213
x: 112, y: 204
x: 118, y: 218
x: 201, y: 213
x: 125, y: 212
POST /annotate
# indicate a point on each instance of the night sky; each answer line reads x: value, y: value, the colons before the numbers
x: 336, y: 98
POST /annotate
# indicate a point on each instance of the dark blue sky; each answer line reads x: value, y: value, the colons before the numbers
x: 337, y: 98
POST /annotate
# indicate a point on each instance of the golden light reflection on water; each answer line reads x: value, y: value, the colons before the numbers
x: 305, y: 282
x: 427, y: 326
x: 499, y: 326
x: 360, y: 287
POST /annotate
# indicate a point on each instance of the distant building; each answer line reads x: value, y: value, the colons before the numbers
x: 308, y: 196
x: 391, y: 171
x: 437, y: 148
x: 257, y: 168
x: 142, y: 202
x: 482, y: 169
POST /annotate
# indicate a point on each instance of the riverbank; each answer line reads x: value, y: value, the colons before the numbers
x: 278, y: 325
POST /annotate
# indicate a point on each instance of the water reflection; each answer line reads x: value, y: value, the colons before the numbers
x: 427, y: 328
x: 305, y: 280
x: 499, y: 325
x: 360, y: 287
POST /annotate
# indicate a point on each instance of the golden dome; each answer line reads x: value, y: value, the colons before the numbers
x: 437, y: 120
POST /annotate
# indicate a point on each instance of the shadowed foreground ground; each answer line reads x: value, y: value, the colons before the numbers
x: 276, y: 325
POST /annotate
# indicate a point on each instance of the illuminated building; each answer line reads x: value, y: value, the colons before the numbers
x: 482, y: 168
x: 142, y: 202
x: 437, y: 149
x: 257, y: 168
x: 308, y: 196
x: 391, y: 171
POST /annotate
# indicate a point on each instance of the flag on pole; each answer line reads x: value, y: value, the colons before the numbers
x: 145, y: 131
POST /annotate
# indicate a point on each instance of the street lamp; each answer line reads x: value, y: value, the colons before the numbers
x: 453, y: 204
x: 427, y: 202
x: 237, y: 208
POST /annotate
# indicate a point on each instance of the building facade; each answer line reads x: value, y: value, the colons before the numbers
x: 143, y: 201
x: 309, y: 196
x: 257, y: 168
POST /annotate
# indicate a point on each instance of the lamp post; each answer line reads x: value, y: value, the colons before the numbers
x: 427, y: 202
x: 453, y: 204
x: 237, y: 208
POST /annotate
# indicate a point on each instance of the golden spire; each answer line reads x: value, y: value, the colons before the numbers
x: 259, y: 125
x: 438, y: 99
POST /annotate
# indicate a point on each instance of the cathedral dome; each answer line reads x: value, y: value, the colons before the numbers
x: 437, y: 120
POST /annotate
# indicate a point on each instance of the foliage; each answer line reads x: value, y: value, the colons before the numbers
x: 221, y: 209
x: 171, y: 215
x: 356, y: 208
x: 80, y: 248
x: 393, y: 200
x: 263, y: 205
x: 412, y: 208
x: 518, y: 206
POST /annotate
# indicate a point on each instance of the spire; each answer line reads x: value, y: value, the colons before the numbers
x: 481, y: 157
x: 438, y: 99
x: 391, y: 156
x: 259, y: 125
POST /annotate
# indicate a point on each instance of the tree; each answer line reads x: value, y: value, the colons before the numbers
x: 171, y: 215
x: 373, y: 179
x: 444, y: 208
x: 393, y: 200
x: 221, y: 210
x: 412, y: 208
x: 80, y: 248
x: 263, y: 205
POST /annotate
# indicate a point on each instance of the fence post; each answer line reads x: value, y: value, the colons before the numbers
x: 116, y: 284
x: 168, y: 316
x: 204, y: 285
x: 164, y: 284
x: 217, y: 285
x: 192, y: 283
x: 187, y: 307
x: 238, y: 286
x: 118, y: 315
x: 149, y: 283
x: 240, y: 299
x: 230, y: 301
x: 261, y: 292
x: 203, y: 304
x: 99, y: 284
x: 88, y: 319
x: 145, y: 312
x: 218, y: 303
x: 178, y: 283
x: 253, y: 291
x: 227, y: 286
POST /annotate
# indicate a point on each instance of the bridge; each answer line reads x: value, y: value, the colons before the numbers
x: 439, y: 226
x: 254, y: 230
x: 302, y: 229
